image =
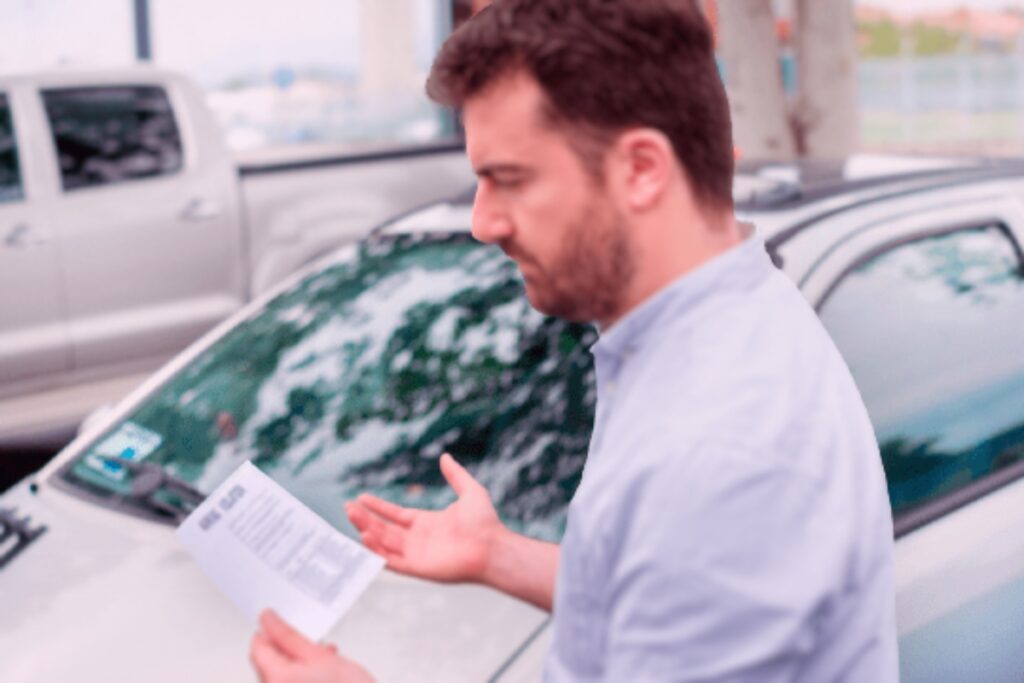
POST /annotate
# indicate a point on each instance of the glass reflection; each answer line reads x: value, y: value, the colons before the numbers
x: 109, y: 135
x: 364, y: 373
x: 931, y: 331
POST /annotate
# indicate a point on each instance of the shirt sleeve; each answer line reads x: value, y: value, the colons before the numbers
x: 722, y: 568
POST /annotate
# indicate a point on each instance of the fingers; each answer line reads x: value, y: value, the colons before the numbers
x: 287, y: 640
x: 359, y: 516
x: 396, y: 561
x: 389, y: 511
x: 373, y: 544
x: 456, y: 475
x: 378, y: 534
x: 399, y: 563
x: 385, y: 541
x: 270, y: 664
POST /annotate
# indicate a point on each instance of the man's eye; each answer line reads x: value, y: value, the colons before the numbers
x: 508, y: 183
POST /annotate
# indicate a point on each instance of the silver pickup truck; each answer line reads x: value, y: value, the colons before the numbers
x: 127, y: 229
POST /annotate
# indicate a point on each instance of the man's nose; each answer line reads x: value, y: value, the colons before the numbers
x: 490, y: 222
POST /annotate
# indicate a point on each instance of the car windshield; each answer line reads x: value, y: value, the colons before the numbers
x: 358, y: 378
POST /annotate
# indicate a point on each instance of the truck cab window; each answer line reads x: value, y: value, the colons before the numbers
x: 107, y: 135
x: 931, y: 330
x: 10, y: 172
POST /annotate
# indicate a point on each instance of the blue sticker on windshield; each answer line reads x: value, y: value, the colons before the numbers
x: 130, y: 442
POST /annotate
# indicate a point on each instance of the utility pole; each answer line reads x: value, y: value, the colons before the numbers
x: 143, y: 46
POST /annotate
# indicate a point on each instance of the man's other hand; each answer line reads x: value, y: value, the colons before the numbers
x: 283, y: 655
x: 448, y: 545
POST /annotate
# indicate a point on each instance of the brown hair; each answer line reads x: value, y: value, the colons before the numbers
x: 462, y: 10
x: 605, y: 66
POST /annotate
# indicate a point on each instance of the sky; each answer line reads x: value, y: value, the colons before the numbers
x: 218, y: 38
x: 215, y: 39
x: 37, y: 33
x: 210, y: 39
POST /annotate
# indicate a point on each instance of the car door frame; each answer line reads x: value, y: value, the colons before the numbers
x: 35, y: 167
x: 957, y: 547
x: 177, y: 320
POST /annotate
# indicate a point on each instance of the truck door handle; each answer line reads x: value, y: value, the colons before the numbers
x: 202, y: 210
x: 21, y: 237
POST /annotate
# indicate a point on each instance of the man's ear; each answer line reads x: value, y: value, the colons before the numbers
x: 644, y: 162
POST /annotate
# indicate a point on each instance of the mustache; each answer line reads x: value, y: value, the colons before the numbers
x: 513, y: 252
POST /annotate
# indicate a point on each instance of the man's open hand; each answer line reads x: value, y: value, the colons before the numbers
x: 283, y: 655
x: 445, y: 545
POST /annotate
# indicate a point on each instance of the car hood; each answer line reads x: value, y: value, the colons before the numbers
x: 101, y: 596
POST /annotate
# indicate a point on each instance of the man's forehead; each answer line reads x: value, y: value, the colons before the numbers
x: 504, y: 118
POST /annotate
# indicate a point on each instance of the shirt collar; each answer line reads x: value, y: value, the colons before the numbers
x: 735, y: 269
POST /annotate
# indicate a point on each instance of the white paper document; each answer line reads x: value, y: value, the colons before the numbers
x: 263, y: 548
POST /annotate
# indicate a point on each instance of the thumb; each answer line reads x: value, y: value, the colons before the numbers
x: 456, y: 475
x: 286, y: 639
x: 269, y: 663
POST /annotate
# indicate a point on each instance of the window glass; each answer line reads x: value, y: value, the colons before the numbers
x: 931, y: 331
x: 363, y: 374
x: 348, y: 72
x: 10, y: 172
x: 112, y: 134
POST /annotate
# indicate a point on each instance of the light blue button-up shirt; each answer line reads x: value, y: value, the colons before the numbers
x: 732, y: 523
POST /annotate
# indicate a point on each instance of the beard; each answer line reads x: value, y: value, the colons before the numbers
x: 588, y: 278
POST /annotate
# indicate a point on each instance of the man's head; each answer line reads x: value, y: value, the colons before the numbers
x: 584, y: 119
x: 464, y: 9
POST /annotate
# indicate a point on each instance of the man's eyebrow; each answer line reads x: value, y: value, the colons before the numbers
x: 492, y: 170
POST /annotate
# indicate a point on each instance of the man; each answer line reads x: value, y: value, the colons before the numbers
x: 464, y: 9
x: 732, y: 523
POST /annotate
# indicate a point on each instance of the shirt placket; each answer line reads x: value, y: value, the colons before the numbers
x: 607, y: 368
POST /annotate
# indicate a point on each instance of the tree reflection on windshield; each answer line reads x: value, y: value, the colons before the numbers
x: 363, y: 374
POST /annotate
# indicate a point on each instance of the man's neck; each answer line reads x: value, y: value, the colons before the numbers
x: 666, y: 251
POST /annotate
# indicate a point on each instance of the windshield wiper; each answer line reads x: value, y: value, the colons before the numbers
x: 149, y: 479
x: 15, y: 534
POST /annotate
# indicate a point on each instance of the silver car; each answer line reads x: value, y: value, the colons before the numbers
x: 358, y: 373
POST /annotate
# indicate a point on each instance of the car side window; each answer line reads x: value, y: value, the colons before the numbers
x: 10, y: 171
x: 107, y: 135
x: 932, y: 332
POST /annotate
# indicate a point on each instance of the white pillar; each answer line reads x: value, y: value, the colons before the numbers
x: 388, y: 49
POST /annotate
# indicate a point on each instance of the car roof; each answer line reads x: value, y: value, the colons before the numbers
x: 81, y: 76
x: 764, y: 185
x: 449, y: 215
x: 782, y: 198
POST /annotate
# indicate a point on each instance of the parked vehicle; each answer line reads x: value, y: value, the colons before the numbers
x: 357, y: 373
x: 127, y: 229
